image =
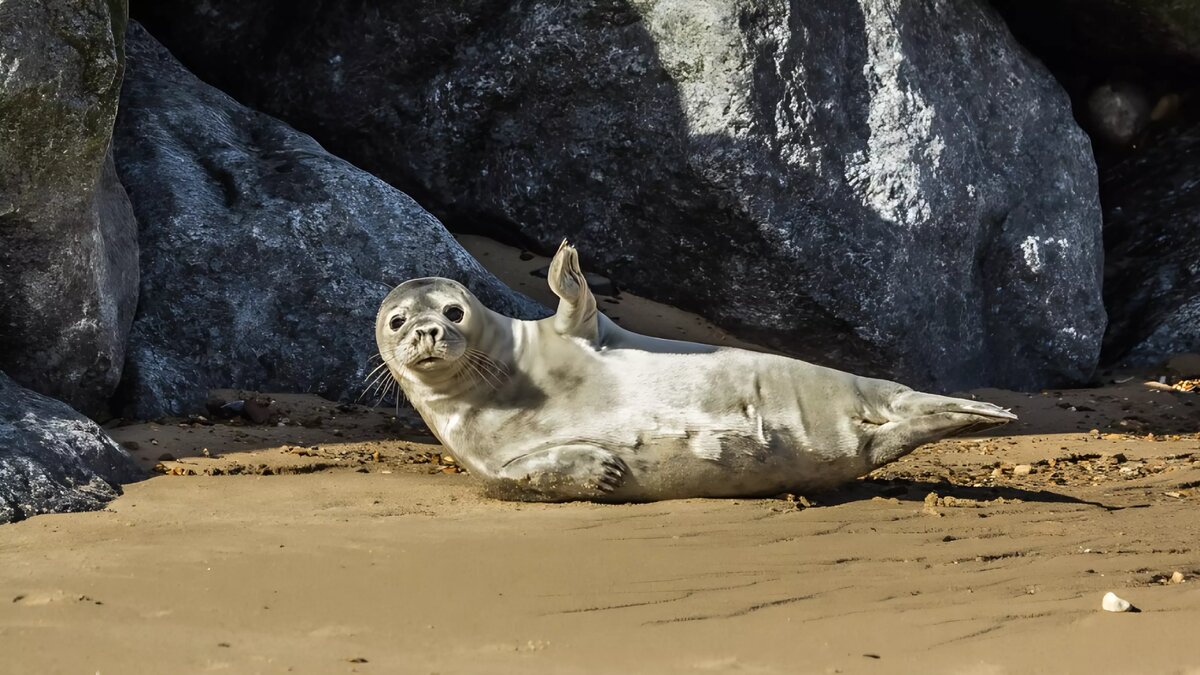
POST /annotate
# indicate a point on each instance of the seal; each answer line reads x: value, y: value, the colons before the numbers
x: 574, y: 407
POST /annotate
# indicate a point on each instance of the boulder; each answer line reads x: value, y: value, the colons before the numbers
x: 53, y: 459
x: 68, y: 240
x: 1152, y: 234
x: 894, y: 188
x: 264, y: 258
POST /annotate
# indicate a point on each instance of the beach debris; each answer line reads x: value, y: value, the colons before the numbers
x: 256, y: 409
x: 1113, y: 603
x: 799, y: 502
x: 225, y: 409
x: 1187, y: 386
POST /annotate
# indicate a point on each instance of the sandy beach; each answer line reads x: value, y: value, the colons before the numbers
x: 341, y: 538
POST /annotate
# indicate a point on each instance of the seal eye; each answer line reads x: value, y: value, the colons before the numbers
x: 396, y: 322
x: 454, y: 313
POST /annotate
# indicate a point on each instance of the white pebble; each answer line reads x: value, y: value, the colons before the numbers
x: 1177, y: 577
x: 1112, y: 603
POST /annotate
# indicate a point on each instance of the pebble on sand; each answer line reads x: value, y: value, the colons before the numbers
x: 1177, y: 577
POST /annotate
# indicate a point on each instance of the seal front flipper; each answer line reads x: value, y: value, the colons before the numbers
x: 561, y: 473
x: 576, y: 315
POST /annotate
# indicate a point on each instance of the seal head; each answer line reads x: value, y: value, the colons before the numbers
x: 424, y: 327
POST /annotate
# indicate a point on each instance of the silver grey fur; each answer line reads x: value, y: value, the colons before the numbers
x: 575, y: 407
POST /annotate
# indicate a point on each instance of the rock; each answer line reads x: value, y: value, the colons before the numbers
x: 1118, y: 112
x: 892, y: 188
x: 68, y: 240
x: 1112, y: 603
x: 1177, y: 577
x: 1022, y: 470
x: 1152, y: 283
x: 264, y: 258
x: 52, y: 459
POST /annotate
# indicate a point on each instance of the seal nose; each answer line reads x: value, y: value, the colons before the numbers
x: 431, y: 331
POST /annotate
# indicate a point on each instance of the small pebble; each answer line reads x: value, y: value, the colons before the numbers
x: 1177, y: 577
x: 1022, y: 470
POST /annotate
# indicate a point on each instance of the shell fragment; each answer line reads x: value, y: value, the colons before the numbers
x: 1112, y: 603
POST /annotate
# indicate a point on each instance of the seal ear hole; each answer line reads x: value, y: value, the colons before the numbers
x: 454, y: 313
x: 396, y: 322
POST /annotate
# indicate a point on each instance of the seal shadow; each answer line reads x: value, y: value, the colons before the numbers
x: 904, y: 489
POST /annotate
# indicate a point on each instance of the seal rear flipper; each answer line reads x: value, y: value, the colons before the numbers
x: 917, y: 418
x: 910, y: 404
x: 577, y: 310
x: 560, y: 473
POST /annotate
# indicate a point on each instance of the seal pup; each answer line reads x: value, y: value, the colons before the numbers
x: 575, y: 407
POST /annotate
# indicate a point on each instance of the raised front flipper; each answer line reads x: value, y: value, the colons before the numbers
x: 560, y: 473
x: 576, y: 315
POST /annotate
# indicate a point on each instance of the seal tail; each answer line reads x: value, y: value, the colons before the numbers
x: 916, y: 418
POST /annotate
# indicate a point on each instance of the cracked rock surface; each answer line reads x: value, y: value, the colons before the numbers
x: 264, y: 258
x: 52, y: 459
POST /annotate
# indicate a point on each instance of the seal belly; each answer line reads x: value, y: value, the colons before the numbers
x: 722, y: 424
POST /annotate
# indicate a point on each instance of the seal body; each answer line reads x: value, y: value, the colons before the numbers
x: 575, y: 407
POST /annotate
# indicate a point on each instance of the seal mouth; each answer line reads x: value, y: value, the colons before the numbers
x: 428, y: 360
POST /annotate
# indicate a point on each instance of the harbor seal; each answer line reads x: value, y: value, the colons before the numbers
x: 574, y: 407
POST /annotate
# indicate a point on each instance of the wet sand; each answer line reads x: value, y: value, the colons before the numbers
x: 336, y: 539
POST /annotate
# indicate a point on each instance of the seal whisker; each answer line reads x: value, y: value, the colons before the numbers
x: 487, y: 358
x: 374, y: 383
x: 488, y: 369
x: 497, y: 370
x: 376, y: 370
x: 477, y: 371
x: 387, y: 387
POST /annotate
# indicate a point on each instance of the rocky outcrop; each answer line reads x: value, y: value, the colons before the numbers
x: 52, y: 459
x: 68, y: 240
x: 1152, y: 234
x: 890, y: 187
x: 264, y: 258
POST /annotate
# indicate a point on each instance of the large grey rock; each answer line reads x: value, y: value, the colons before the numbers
x: 1152, y: 233
x: 264, y: 258
x: 68, y: 240
x: 890, y: 187
x: 52, y: 459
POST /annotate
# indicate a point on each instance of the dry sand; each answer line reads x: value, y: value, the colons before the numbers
x: 334, y: 539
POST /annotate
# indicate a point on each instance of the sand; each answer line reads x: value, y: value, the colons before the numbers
x: 338, y: 539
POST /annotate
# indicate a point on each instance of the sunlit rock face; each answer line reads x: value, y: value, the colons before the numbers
x: 53, y: 459
x: 895, y: 188
x: 68, y: 240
